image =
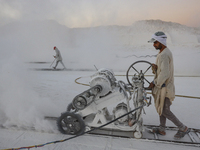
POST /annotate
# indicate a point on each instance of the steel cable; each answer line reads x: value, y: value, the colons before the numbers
x: 185, y: 96
x: 59, y: 141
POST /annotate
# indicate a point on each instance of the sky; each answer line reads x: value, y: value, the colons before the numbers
x: 90, y: 13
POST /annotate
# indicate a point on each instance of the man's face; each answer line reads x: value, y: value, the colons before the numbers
x: 157, y: 45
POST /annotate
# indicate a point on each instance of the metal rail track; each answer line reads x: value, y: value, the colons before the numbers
x: 191, y: 139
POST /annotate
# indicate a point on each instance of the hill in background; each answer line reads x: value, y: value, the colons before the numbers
x: 84, y: 47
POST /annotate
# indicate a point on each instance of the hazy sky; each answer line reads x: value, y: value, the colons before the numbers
x: 89, y: 13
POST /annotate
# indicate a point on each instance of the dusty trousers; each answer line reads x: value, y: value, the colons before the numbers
x: 60, y: 62
x: 167, y: 114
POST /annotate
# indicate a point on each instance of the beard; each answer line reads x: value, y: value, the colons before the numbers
x: 159, y: 47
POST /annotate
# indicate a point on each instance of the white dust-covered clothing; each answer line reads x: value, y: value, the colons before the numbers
x: 58, y: 55
x: 164, y: 75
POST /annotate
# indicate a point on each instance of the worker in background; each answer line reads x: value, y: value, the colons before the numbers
x: 58, y: 58
x: 163, y: 89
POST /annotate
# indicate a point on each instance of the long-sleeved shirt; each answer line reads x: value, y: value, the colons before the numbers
x: 164, y: 76
x: 58, y: 55
x: 165, y: 73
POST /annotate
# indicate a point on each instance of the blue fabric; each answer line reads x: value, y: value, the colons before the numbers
x: 162, y: 85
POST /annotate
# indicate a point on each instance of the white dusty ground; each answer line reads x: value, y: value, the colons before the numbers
x: 54, y: 90
x: 27, y: 95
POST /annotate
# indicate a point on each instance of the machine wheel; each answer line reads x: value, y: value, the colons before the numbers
x: 71, y: 108
x: 79, y: 102
x: 70, y: 123
x: 132, y: 70
x: 87, y: 128
x: 137, y: 135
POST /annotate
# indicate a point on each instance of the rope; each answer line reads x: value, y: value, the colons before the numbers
x: 59, y: 141
x: 81, y: 83
x: 185, y: 96
x: 137, y: 56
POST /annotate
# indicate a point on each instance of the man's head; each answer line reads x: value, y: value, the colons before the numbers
x: 54, y: 47
x: 159, y: 39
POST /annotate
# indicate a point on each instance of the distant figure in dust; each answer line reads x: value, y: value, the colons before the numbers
x: 58, y: 58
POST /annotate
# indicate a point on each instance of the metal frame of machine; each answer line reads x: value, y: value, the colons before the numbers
x: 90, y: 109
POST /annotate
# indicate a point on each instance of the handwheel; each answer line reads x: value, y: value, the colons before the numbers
x: 132, y: 69
x: 71, y: 123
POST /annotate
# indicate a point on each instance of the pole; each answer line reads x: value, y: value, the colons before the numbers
x: 52, y: 62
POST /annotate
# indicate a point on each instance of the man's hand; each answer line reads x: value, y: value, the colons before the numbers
x: 54, y: 56
x: 154, y: 68
x: 151, y: 86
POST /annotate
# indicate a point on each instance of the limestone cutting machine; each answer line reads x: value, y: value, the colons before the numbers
x: 108, y: 99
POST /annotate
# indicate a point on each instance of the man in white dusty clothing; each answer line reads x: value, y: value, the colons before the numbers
x: 163, y: 89
x: 58, y: 58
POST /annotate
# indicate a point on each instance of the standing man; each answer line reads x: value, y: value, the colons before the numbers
x: 58, y: 58
x: 163, y: 89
